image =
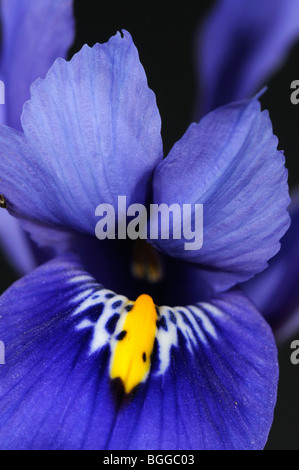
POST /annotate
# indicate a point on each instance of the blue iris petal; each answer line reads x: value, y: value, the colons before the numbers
x: 229, y: 162
x: 34, y: 34
x: 275, y: 290
x: 212, y: 383
x: 240, y: 45
x: 91, y: 133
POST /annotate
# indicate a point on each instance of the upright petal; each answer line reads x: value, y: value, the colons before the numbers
x: 240, y: 45
x: 34, y: 34
x: 91, y: 134
x: 229, y: 163
x: 211, y: 384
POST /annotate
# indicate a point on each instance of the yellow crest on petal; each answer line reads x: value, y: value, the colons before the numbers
x: 131, y: 354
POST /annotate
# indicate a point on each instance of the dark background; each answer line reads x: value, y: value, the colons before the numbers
x: 164, y: 36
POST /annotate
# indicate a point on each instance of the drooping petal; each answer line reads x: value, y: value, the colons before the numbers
x: 34, y: 34
x: 275, y: 291
x: 229, y: 163
x: 240, y: 45
x: 211, y: 382
x: 91, y: 134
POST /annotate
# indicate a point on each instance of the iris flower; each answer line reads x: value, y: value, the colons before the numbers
x: 255, y: 39
x: 95, y: 358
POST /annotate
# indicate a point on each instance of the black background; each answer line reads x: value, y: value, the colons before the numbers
x: 164, y: 35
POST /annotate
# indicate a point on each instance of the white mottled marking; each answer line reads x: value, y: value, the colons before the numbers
x: 192, y: 321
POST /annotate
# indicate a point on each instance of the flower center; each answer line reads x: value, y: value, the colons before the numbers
x: 133, y: 344
x: 146, y: 264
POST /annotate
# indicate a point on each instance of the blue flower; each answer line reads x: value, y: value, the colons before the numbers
x: 34, y: 34
x: 94, y: 358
